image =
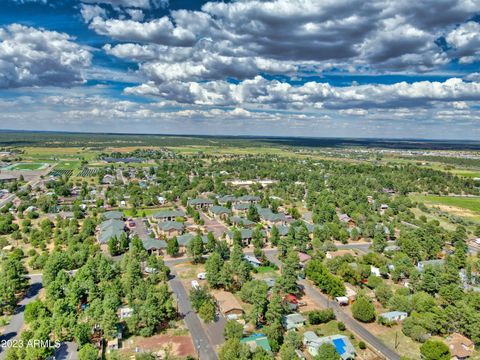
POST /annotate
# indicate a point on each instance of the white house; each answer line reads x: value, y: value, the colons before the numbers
x: 394, y: 315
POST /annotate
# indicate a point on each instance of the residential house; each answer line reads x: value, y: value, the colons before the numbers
x: 303, y: 258
x: 109, y: 215
x: 108, y: 179
x: 170, y: 228
x: 346, y: 219
x: 228, y: 305
x: 291, y: 301
x: 154, y: 246
x: 224, y: 200
x: 184, y: 240
x: 240, y: 208
x: 342, y: 344
x: 422, y: 264
x: 270, y: 218
x: 241, y: 222
x: 200, y: 203
x: 460, y: 346
x: 246, y: 235
x: 248, y: 199
x: 394, y: 316
x: 219, y: 212
x: 168, y: 215
x: 293, y: 321
x: 110, y: 229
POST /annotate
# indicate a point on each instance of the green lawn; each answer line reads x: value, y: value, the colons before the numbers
x: 264, y: 269
x: 472, y: 204
x: 148, y: 212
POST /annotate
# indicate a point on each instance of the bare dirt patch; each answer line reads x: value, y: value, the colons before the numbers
x: 177, y: 345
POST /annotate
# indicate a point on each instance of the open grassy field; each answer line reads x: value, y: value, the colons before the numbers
x: 68, y: 165
x: 468, y: 203
x: 62, y: 153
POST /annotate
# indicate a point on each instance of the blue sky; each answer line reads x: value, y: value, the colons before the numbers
x: 247, y: 67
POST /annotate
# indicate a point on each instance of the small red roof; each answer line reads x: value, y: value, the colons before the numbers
x: 292, y: 299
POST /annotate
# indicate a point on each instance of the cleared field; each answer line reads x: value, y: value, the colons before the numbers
x: 49, y: 153
x: 68, y: 165
x: 466, y: 173
x: 468, y: 203
x: 26, y: 166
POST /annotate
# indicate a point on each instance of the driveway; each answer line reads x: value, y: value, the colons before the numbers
x: 213, y: 225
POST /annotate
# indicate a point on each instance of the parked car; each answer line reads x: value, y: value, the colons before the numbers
x: 202, y: 276
x: 195, y: 284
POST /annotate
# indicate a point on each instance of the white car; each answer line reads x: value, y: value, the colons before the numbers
x: 202, y: 276
x: 195, y: 284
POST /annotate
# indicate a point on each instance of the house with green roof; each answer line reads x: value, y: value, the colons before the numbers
x: 170, y: 228
x: 110, y: 229
x: 241, y: 222
x: 270, y: 218
x: 246, y: 235
x: 219, y: 212
x: 240, y: 208
x: 184, y: 240
x: 200, y: 203
x: 168, y: 215
x: 249, y: 199
x: 154, y: 245
x: 223, y: 200
x: 117, y: 215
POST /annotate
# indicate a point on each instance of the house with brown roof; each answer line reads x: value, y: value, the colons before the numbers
x: 460, y: 346
x: 228, y: 304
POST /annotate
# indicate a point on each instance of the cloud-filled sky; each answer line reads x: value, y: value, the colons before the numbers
x: 354, y: 68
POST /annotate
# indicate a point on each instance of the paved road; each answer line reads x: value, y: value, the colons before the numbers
x: 352, y: 324
x: 202, y: 343
x: 66, y: 351
x: 12, y: 330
